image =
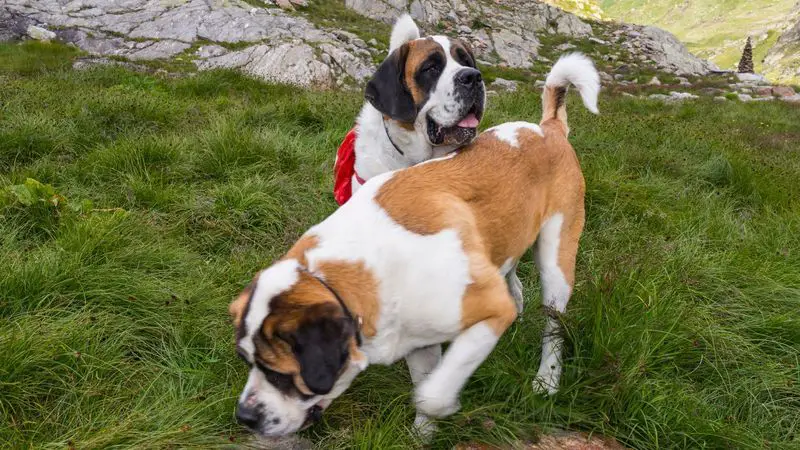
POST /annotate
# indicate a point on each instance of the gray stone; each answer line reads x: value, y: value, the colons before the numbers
x: 665, y: 51
x: 13, y: 27
x: 40, y: 34
x: 515, y: 50
x: 783, y: 91
x: 157, y: 29
x: 751, y: 78
x: 507, y: 85
x: 290, y: 63
x: 564, y: 47
x: 606, y: 78
x: 210, y: 51
x: 720, y: 99
x: 597, y: 41
x: 654, y: 82
x: 745, y: 97
x: 793, y: 99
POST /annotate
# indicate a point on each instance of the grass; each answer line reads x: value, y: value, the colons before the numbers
x: 158, y: 198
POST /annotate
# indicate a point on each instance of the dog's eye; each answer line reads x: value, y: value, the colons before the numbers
x: 431, y: 68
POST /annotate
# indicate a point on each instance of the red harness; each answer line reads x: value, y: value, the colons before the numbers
x: 345, y: 169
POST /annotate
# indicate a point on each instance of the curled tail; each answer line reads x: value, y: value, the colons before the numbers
x: 575, y: 69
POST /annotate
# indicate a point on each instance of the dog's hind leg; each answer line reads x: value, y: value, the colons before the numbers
x: 421, y: 363
x: 515, y: 288
x: 555, y: 251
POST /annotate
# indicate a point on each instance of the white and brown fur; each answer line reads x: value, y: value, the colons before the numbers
x: 419, y: 257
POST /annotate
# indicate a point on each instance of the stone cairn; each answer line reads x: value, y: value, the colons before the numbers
x: 746, y: 63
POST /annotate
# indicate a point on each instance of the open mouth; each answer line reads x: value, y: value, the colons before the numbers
x: 462, y: 132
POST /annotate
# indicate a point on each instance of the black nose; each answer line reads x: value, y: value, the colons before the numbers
x: 468, y: 77
x: 247, y: 416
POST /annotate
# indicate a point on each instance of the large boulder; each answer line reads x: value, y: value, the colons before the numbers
x: 285, y: 48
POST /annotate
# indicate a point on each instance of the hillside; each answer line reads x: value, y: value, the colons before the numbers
x: 715, y: 29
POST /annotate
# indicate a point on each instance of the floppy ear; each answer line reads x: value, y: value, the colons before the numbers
x: 387, y: 90
x: 321, y: 348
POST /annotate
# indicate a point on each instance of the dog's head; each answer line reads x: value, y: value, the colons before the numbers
x: 429, y: 83
x: 300, y: 346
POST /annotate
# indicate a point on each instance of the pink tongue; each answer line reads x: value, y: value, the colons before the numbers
x: 469, y: 122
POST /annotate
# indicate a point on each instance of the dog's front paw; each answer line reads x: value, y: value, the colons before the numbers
x: 546, y: 381
x: 424, y: 427
x: 432, y: 401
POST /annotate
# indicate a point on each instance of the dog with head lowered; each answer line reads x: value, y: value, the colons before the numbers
x: 417, y: 258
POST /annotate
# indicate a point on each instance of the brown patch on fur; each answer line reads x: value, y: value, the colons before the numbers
x: 497, y: 197
x: 299, y: 249
x: 357, y: 288
x: 418, y: 51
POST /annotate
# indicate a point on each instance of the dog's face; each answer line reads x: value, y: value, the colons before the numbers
x: 300, y: 347
x: 431, y: 84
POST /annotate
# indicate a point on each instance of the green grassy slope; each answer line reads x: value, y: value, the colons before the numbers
x: 683, y: 331
x: 713, y: 29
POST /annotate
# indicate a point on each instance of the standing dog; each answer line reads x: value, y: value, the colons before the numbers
x: 424, y: 101
x: 417, y: 258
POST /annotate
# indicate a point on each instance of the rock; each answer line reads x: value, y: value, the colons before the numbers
x: 515, y: 50
x: 507, y: 85
x: 720, y: 99
x: 464, y: 29
x: 654, y: 82
x: 158, y: 50
x: 605, y: 78
x: 624, y: 68
x: 751, y: 78
x: 665, y: 50
x: 683, y: 81
x: 556, y: 440
x: 745, y: 97
x: 303, y: 3
x: 783, y: 91
x: 564, y: 47
x: 763, y: 90
x: 154, y: 29
x: 763, y: 99
x: 373, y: 42
x: 90, y: 62
x: 793, y: 99
x: 40, y: 34
x: 538, y: 84
x: 210, y: 51
x: 673, y: 97
x: 285, y: 4
x: 597, y: 41
x: 13, y: 27
x: 619, y: 77
x: 628, y: 94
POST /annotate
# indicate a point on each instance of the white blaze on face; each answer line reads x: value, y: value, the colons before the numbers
x: 276, y: 279
x: 442, y: 105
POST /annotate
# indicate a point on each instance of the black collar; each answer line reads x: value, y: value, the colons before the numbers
x: 386, y: 129
x: 355, y: 321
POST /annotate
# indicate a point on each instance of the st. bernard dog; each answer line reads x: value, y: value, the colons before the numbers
x: 417, y: 258
x: 424, y: 101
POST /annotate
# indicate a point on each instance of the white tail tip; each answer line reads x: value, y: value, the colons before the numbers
x: 578, y: 70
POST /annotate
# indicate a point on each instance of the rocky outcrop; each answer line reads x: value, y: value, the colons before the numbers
x: 286, y: 48
x: 501, y: 32
x: 662, y: 49
x: 782, y: 63
x: 283, y: 46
